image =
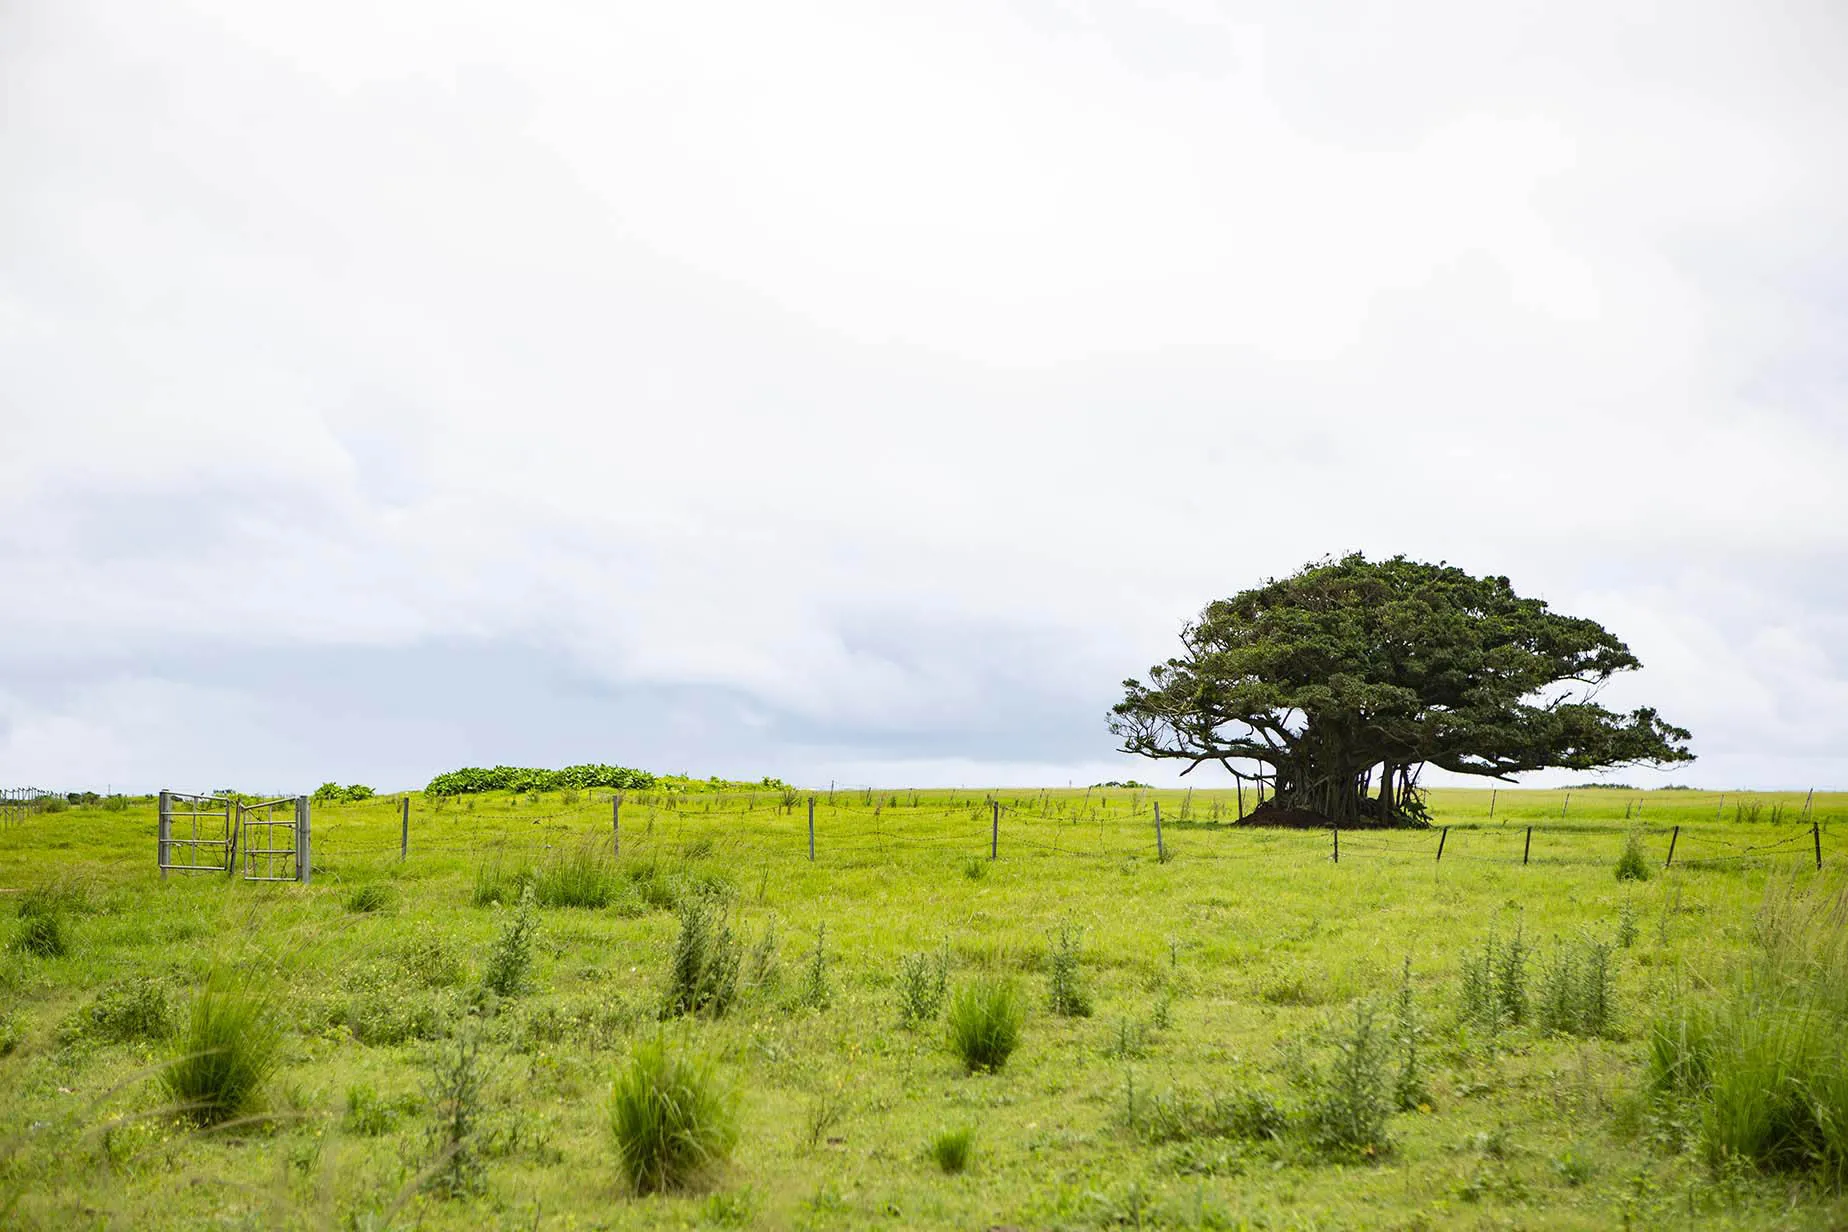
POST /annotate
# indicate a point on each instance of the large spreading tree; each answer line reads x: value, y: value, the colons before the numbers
x: 1333, y: 687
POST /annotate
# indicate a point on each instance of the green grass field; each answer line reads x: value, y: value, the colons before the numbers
x: 1222, y: 979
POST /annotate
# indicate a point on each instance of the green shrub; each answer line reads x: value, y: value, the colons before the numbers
x: 510, y: 962
x: 1576, y: 990
x: 952, y: 1149
x: 817, y: 992
x: 975, y: 868
x: 672, y: 1120
x: 985, y: 1021
x: 703, y: 972
x: 383, y: 1009
x: 762, y: 972
x: 367, y: 1115
x: 922, y: 981
x: 1494, y: 993
x: 453, y: 1092
x: 430, y: 958
x: 1408, y: 1089
x: 1066, y: 992
x: 1352, y: 1098
x: 230, y: 1045
x: 373, y: 896
x: 1633, y: 865
x: 126, y: 1012
x: 12, y: 1032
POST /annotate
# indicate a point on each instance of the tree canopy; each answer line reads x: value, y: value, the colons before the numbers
x: 1352, y: 672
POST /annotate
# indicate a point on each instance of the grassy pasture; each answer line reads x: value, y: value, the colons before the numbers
x: 1231, y: 968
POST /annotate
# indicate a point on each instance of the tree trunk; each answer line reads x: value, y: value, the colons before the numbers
x: 1386, y: 800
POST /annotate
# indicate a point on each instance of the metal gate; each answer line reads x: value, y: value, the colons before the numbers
x: 275, y: 839
x: 203, y: 834
x: 205, y: 839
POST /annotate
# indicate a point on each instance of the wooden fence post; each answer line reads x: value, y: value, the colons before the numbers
x: 1529, y: 845
x: 1492, y: 796
x: 1336, y: 831
x: 1807, y: 801
x: 812, y: 823
x: 404, y: 829
x: 1673, y: 835
x: 994, y: 834
x: 1563, y: 807
x: 1442, y: 835
x: 1816, y: 833
x: 1161, y: 853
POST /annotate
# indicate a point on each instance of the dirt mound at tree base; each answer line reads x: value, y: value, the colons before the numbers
x: 1271, y: 814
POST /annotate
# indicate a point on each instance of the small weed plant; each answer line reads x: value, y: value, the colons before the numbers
x: 985, y: 1022
x: 454, y: 1091
x: 134, y: 1010
x: 1576, y: 990
x: 672, y: 1120
x: 1408, y: 1088
x: 1353, y: 1096
x: 373, y: 896
x: 923, y: 980
x: 703, y: 972
x: 509, y: 965
x: 816, y: 992
x: 1066, y: 991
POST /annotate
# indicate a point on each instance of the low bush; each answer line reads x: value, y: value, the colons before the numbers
x: 816, y: 992
x: 230, y: 1045
x: 984, y: 1023
x: 672, y: 1120
x: 454, y: 1092
x: 923, y: 980
x: 1633, y: 865
x: 509, y: 965
x: 1352, y: 1098
x: 703, y: 971
x: 367, y: 1115
x: 1494, y: 993
x: 1066, y: 992
x: 952, y: 1149
x: 382, y: 1008
x: 1577, y: 990
x: 130, y: 1011
x: 1181, y: 1115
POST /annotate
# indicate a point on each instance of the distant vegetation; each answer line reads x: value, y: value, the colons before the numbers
x: 473, y: 779
x: 334, y: 793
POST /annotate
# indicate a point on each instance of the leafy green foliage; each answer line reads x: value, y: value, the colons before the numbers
x: 1577, y: 990
x: 230, y: 1046
x: 985, y: 1020
x: 817, y: 992
x: 1183, y: 1115
x: 473, y: 779
x: 671, y: 1118
x: 1352, y: 664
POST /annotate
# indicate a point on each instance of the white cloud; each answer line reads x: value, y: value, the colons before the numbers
x: 810, y: 354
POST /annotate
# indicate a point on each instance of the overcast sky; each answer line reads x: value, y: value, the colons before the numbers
x: 860, y: 391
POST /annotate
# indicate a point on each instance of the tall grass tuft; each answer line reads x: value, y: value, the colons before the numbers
x: 1066, y: 991
x: 373, y: 896
x: 1576, y: 990
x: 985, y: 1022
x: 671, y: 1118
x: 230, y: 1046
x: 1633, y: 865
x: 702, y: 975
x: 1760, y: 1063
x: 952, y: 1149
x: 581, y: 877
